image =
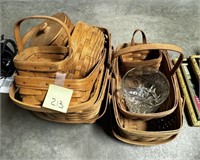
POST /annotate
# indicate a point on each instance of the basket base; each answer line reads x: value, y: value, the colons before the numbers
x: 140, y: 143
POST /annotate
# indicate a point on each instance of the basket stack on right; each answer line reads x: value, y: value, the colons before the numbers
x: 151, y: 128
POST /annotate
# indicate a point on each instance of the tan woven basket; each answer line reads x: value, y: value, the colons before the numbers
x: 152, y: 132
x: 85, y: 50
x: 170, y: 104
x: 42, y: 61
x: 88, y: 111
x: 34, y: 92
x: 142, y: 58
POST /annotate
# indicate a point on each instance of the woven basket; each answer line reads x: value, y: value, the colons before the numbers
x: 143, y: 58
x: 34, y: 92
x: 170, y: 104
x: 151, y: 132
x: 86, y: 112
x: 42, y: 61
x: 85, y: 51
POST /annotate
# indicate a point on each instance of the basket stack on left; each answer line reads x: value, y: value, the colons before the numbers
x: 72, y: 56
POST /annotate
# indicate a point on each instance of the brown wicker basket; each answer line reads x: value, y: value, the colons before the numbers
x: 151, y: 132
x: 88, y: 111
x: 42, y: 61
x: 85, y: 48
x: 170, y: 104
x: 34, y: 92
x: 143, y: 58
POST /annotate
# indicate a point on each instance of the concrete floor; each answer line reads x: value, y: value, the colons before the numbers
x: 26, y: 137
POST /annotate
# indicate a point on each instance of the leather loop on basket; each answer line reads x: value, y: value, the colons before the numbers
x: 152, y: 46
x: 60, y: 79
x: 144, y: 40
x: 20, y: 41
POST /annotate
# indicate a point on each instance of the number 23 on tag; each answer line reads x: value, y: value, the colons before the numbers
x: 57, y: 98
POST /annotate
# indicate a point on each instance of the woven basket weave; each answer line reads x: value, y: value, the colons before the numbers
x: 170, y: 104
x: 85, y: 112
x: 143, y: 58
x: 34, y: 92
x: 151, y: 132
x: 42, y: 61
x: 87, y: 44
x: 83, y: 53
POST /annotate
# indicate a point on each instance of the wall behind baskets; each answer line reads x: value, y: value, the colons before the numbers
x: 169, y: 21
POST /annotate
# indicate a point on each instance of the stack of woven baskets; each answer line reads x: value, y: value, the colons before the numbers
x: 79, y: 57
x: 73, y: 56
x: 150, y: 128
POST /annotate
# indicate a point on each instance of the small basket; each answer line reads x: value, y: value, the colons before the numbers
x: 85, y: 112
x: 143, y: 58
x: 170, y: 104
x: 151, y: 132
x: 42, y: 61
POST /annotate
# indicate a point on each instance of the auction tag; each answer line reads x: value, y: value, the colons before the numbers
x: 57, y: 98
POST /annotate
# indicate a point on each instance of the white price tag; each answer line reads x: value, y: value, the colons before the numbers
x: 57, y: 98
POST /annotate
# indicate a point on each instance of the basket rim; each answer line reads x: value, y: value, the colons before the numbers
x: 55, y: 66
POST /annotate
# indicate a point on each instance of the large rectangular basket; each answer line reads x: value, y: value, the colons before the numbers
x: 150, y: 132
x: 34, y: 91
x: 118, y: 71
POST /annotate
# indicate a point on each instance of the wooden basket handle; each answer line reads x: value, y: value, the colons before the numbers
x: 144, y: 40
x: 21, y: 41
x: 152, y: 46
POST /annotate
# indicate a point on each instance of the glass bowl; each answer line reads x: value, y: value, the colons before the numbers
x: 144, y: 89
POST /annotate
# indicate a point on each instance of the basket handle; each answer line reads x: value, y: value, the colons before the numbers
x: 21, y: 41
x: 152, y: 46
x: 144, y: 40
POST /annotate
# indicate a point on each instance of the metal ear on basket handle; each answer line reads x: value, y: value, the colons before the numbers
x: 152, y: 46
x: 144, y: 40
x: 21, y: 41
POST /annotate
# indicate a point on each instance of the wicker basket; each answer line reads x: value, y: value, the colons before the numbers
x: 170, y: 104
x: 151, y: 132
x: 42, y: 61
x: 85, y: 51
x: 34, y: 92
x: 88, y: 111
x: 143, y: 58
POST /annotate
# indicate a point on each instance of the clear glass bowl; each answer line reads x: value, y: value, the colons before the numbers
x: 144, y: 89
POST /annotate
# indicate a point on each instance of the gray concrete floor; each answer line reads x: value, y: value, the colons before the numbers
x: 26, y: 137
